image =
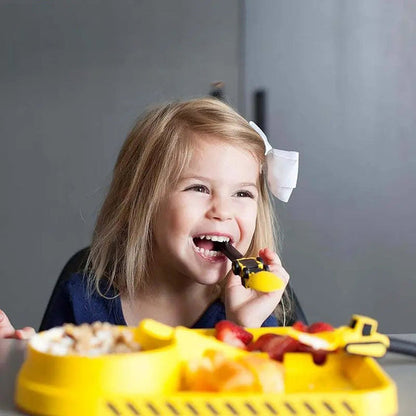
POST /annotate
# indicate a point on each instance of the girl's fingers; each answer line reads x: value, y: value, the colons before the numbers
x: 269, y: 256
x: 6, y: 328
x: 249, y: 307
x: 273, y: 261
x: 233, y: 281
x: 25, y: 333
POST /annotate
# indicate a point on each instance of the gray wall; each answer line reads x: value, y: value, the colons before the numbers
x: 74, y: 75
x: 341, y: 84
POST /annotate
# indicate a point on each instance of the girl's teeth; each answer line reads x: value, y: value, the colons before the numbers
x: 214, y: 238
x: 219, y: 238
x: 208, y: 253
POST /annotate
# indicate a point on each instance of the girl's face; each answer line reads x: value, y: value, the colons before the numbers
x: 215, y: 198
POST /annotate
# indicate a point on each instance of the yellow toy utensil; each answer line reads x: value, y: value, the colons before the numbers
x: 360, y: 337
x: 253, y: 271
x: 264, y: 281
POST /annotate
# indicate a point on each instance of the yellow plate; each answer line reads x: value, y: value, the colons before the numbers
x: 148, y: 383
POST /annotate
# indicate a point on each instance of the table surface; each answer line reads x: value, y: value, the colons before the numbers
x: 401, y: 368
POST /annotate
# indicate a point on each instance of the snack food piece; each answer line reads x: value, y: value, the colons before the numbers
x: 275, y: 345
x: 86, y: 339
x: 248, y: 373
x: 229, y: 332
x: 317, y: 327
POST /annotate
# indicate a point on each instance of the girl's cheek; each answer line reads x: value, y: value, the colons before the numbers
x: 251, y: 215
x: 248, y: 224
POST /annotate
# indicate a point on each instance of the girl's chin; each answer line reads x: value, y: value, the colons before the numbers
x: 211, y: 277
x: 211, y: 269
x: 209, y: 282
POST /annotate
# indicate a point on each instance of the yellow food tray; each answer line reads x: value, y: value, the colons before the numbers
x: 148, y: 383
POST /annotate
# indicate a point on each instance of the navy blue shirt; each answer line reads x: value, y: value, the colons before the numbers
x: 71, y: 303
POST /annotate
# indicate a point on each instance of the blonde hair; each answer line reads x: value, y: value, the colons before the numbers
x: 150, y: 162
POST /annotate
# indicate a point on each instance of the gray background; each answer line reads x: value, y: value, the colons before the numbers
x: 340, y: 84
x: 74, y: 76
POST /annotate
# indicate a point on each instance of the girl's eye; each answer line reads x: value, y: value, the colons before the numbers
x: 198, y: 188
x: 244, y: 194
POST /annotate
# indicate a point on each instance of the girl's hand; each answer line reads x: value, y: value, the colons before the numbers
x: 247, y: 307
x: 7, y: 330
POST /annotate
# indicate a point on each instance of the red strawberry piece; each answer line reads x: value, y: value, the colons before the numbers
x: 320, y: 327
x: 278, y: 346
x: 262, y: 341
x: 300, y: 326
x: 230, y: 333
x: 318, y: 356
x: 304, y: 348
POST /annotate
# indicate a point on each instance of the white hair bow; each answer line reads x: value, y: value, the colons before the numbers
x: 282, y: 168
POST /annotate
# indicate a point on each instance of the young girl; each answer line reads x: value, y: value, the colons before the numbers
x: 189, y: 173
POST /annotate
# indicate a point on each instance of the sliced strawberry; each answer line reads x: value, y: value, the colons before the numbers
x: 230, y: 333
x: 262, y: 341
x: 275, y: 345
x: 320, y: 327
x: 279, y: 347
x: 318, y: 356
x: 300, y: 326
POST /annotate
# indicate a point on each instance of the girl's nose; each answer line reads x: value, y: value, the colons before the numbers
x: 220, y: 209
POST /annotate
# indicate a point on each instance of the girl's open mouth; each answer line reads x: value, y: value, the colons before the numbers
x: 210, y: 246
